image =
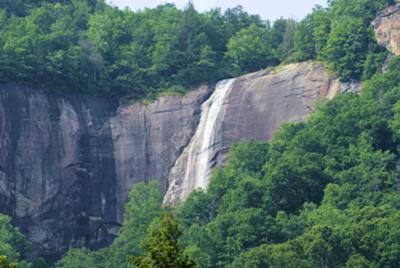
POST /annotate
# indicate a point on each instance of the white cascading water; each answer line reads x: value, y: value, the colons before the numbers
x: 198, y: 163
x: 193, y: 168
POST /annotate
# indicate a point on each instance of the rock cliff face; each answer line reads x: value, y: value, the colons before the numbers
x: 147, y: 140
x: 387, y: 28
x: 57, y: 172
x: 249, y: 107
x: 67, y: 163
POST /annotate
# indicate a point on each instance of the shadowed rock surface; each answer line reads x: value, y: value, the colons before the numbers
x: 57, y: 171
x: 67, y: 163
x: 387, y: 28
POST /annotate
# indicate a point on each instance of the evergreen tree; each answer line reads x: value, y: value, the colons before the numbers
x: 162, y: 246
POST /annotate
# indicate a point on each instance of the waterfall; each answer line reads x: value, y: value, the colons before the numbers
x: 200, y: 149
x: 192, y: 170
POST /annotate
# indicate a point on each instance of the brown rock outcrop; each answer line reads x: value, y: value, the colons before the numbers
x: 387, y: 28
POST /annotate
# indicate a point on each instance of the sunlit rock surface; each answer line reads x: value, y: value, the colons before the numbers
x: 387, y: 28
x: 249, y: 107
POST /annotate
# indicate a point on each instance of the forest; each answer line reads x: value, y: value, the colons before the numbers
x: 324, y: 193
x: 92, y: 48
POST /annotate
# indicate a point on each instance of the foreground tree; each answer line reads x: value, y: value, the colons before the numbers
x: 13, y: 245
x: 77, y: 258
x: 5, y: 264
x: 143, y: 207
x: 162, y: 246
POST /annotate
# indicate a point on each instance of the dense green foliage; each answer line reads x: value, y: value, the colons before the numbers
x: 13, y: 245
x: 93, y: 48
x: 342, y: 37
x: 162, y: 246
x: 78, y: 258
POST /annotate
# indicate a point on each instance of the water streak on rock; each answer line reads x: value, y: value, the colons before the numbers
x: 199, y: 154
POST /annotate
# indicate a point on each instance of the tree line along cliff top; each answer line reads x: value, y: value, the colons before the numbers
x: 92, y: 48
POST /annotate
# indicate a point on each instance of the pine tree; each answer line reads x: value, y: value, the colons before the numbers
x: 162, y: 246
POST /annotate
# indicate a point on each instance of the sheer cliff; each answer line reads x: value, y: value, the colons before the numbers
x: 249, y: 107
x: 67, y: 163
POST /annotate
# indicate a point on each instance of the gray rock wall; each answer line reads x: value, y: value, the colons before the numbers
x: 58, y: 174
x: 148, y: 139
x: 67, y: 163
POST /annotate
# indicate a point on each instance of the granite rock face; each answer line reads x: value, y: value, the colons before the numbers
x: 253, y: 107
x: 67, y: 163
x: 147, y: 140
x: 259, y: 103
x: 57, y: 171
x: 387, y: 28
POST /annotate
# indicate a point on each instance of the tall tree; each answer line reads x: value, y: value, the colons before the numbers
x: 162, y: 246
x: 249, y: 50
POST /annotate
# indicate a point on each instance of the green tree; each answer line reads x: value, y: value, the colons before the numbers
x: 162, y: 246
x: 13, y: 244
x: 77, y: 258
x: 282, y: 38
x: 346, y: 47
x: 143, y: 206
x: 5, y: 264
x: 311, y: 35
x: 249, y: 50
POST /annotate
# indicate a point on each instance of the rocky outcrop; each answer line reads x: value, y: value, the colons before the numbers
x: 252, y: 107
x: 387, y: 28
x: 67, y: 163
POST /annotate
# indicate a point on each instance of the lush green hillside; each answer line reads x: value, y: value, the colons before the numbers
x: 93, y: 48
x: 321, y: 194
x: 90, y: 47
